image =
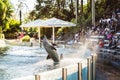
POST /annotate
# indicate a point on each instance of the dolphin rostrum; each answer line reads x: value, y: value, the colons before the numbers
x: 51, y: 50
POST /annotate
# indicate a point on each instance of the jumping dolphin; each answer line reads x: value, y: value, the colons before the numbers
x: 51, y: 50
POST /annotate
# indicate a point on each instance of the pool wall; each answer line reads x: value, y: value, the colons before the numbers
x: 71, y: 72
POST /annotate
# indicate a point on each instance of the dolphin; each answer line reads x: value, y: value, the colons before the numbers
x: 51, y: 50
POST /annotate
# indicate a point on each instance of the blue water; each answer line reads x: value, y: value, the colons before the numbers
x: 74, y: 76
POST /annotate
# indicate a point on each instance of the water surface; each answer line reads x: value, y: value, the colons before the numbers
x: 21, y: 61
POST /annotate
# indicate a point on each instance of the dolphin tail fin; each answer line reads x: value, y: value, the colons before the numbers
x: 48, y: 57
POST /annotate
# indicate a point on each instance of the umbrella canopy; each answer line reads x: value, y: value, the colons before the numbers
x: 36, y: 23
x: 54, y: 22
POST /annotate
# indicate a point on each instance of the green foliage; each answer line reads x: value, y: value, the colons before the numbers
x: 9, y: 8
x: 10, y: 35
x: 48, y: 9
x: 81, y: 21
x: 5, y: 14
x: 1, y: 36
x: 60, y: 31
x: 32, y: 30
x: 14, y: 27
x: 26, y: 38
x: 88, y: 21
x: 3, y: 9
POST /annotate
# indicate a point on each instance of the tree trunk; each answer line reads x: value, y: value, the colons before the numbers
x: 81, y: 7
x: 58, y: 4
x: 63, y: 4
x: 20, y: 17
x: 76, y: 10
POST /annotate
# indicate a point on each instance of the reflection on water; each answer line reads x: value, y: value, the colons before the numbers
x: 21, y: 61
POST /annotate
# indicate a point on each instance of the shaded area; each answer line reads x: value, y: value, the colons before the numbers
x: 105, y: 69
x: 100, y: 75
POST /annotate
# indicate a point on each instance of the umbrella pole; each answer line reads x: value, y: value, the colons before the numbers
x: 39, y: 36
x: 53, y: 34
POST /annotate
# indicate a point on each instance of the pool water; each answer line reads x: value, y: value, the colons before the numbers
x: 21, y: 61
x: 74, y: 76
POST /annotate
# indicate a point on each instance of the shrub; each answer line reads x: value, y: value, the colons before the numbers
x: 26, y: 38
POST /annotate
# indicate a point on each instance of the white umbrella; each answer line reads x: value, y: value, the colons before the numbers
x: 57, y: 23
x: 54, y: 22
x: 36, y: 23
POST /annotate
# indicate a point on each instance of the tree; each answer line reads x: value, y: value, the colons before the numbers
x: 3, y: 9
x: 6, y: 10
x: 14, y: 27
x: 54, y: 8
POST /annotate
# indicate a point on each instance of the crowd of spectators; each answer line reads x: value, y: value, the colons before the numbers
x: 109, y: 27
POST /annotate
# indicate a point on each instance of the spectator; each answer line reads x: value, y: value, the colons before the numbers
x: 101, y: 43
x: 21, y: 35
